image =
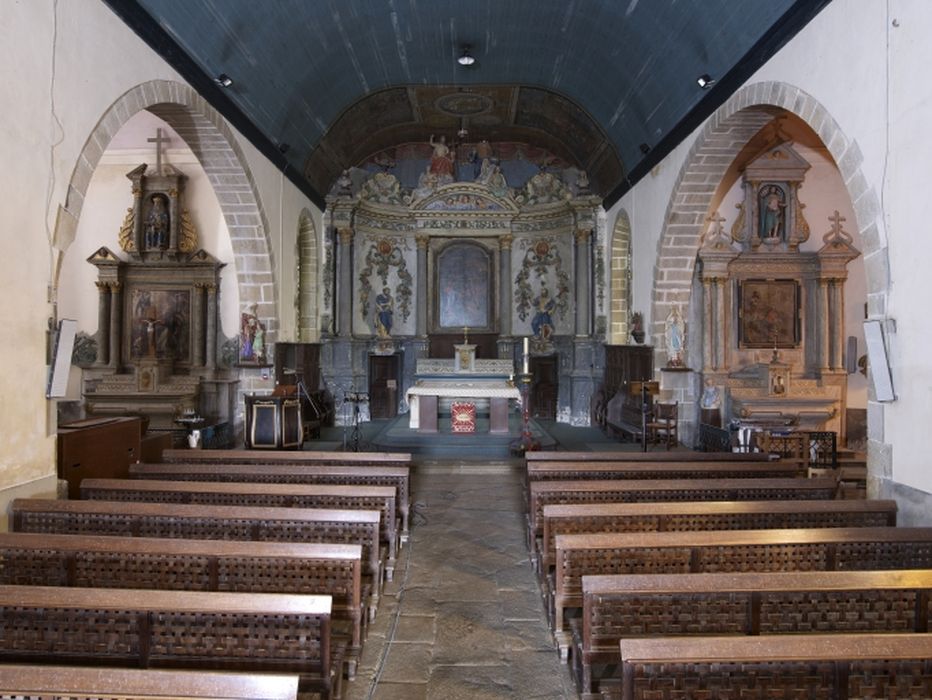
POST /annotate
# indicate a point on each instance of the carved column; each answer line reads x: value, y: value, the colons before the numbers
x: 211, y: 344
x: 421, y: 240
x: 137, y: 214
x: 838, y: 315
x: 344, y: 298
x: 198, y: 324
x: 719, y: 324
x: 103, y: 323
x: 504, y: 286
x: 116, y: 331
x: 582, y: 282
x: 825, y: 318
x: 709, y: 322
x: 174, y: 222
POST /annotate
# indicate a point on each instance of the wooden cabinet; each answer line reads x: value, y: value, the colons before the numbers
x: 97, y: 448
x: 625, y: 364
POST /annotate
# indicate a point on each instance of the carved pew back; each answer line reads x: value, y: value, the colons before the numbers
x: 806, y: 666
x: 541, y: 471
x: 77, y: 683
x: 87, y: 561
x: 171, y: 629
x: 666, y: 456
x: 110, y: 518
x: 811, y: 549
x: 578, y: 519
x: 623, y: 607
x: 286, y: 457
x: 542, y: 493
x: 381, y: 498
x: 399, y: 477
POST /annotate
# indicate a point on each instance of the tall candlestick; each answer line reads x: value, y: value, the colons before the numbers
x: 525, y: 346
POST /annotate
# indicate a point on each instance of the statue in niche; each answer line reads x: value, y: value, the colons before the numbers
x: 252, y: 346
x: 675, y: 333
x: 384, y: 313
x: 542, y: 323
x: 772, y: 203
x: 441, y: 161
x: 157, y: 224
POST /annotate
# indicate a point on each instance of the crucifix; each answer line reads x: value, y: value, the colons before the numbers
x: 158, y: 141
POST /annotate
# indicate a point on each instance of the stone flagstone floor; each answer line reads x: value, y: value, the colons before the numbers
x: 463, y: 617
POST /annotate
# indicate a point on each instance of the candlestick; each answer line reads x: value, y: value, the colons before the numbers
x: 525, y: 346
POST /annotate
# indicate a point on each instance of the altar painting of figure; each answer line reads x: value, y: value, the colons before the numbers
x: 160, y: 324
x: 542, y: 323
x: 769, y: 314
x: 463, y: 282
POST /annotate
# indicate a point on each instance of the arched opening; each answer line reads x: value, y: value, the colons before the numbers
x: 709, y: 172
x: 620, y: 279
x: 307, y: 276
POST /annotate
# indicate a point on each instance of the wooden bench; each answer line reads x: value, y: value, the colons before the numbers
x: 287, y: 457
x: 632, y: 456
x: 81, y: 683
x: 543, y: 493
x: 197, y: 522
x: 333, y: 496
x: 810, y: 549
x: 543, y: 471
x: 260, y: 632
x: 399, y: 477
x: 623, y: 607
x: 89, y: 561
x: 707, y: 515
x: 840, y: 667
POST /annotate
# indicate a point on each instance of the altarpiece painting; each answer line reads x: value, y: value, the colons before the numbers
x: 768, y: 314
x: 464, y: 288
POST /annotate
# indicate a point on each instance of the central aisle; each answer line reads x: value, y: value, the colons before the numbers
x: 463, y: 618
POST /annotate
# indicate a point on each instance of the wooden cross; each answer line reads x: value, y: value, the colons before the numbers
x: 158, y: 141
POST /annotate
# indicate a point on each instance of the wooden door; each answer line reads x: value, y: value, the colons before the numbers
x: 544, y: 386
x: 383, y: 386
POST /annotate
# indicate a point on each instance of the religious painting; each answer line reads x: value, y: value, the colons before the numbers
x: 464, y: 287
x: 253, y: 350
x: 768, y: 314
x: 160, y: 324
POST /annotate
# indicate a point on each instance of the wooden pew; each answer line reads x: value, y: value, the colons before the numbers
x: 198, y: 522
x: 578, y: 519
x: 810, y: 549
x: 624, y: 607
x: 543, y: 493
x: 81, y: 683
x: 287, y: 457
x: 88, y: 561
x: 637, y: 456
x: 542, y: 471
x: 173, y: 629
x: 399, y: 477
x: 802, y: 666
x: 381, y: 498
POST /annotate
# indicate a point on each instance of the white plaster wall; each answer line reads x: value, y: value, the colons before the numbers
x: 841, y: 60
x: 80, y: 56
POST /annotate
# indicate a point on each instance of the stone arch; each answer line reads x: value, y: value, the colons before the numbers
x: 719, y: 143
x: 216, y: 147
x: 307, y: 276
x: 620, y: 289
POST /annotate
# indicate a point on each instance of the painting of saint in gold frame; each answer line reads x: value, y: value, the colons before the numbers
x: 768, y: 314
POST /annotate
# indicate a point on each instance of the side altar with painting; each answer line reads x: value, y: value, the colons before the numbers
x: 158, y: 316
x: 773, y: 331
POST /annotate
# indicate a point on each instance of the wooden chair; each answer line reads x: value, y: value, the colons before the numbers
x: 662, y: 425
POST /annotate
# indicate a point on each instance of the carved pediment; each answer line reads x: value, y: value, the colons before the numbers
x: 468, y: 198
x: 202, y: 256
x: 103, y: 255
x: 780, y: 162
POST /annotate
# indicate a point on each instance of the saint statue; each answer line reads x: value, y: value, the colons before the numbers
x: 542, y: 323
x: 772, y: 206
x: 384, y: 313
x: 252, y: 336
x: 675, y: 333
x: 157, y: 224
x: 441, y: 161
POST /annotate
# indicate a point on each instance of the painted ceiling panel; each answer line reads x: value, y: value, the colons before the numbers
x: 621, y: 72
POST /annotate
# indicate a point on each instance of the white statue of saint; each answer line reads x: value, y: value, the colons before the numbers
x: 675, y: 333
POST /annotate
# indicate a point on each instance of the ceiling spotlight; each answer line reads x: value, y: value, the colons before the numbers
x: 645, y: 149
x: 223, y: 80
x: 705, y: 81
x: 467, y: 59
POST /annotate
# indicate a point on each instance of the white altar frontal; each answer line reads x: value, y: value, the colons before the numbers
x: 462, y: 378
